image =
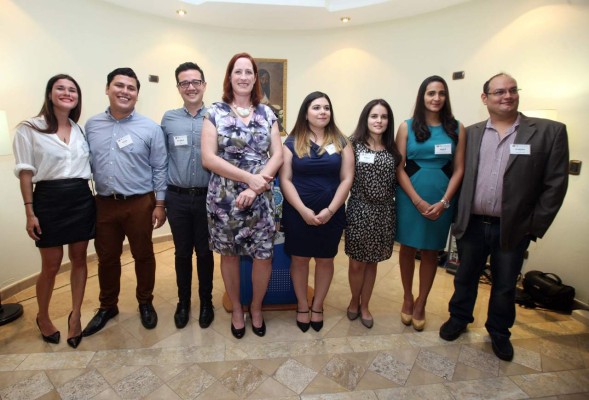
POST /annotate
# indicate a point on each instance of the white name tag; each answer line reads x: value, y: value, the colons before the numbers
x: 445, y: 148
x: 366, y: 158
x: 124, y: 141
x: 330, y: 149
x: 522, y: 149
x: 180, y: 140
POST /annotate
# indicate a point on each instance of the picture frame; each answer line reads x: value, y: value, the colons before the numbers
x: 273, y: 79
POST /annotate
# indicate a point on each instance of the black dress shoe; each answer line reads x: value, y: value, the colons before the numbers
x: 148, y: 315
x: 182, y: 314
x: 99, y: 320
x: 502, y: 347
x: 53, y: 338
x: 316, y: 325
x: 206, y: 316
x: 238, y: 333
x: 73, y: 341
x: 451, y: 330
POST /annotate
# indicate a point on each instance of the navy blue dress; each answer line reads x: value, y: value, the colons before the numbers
x: 316, y: 179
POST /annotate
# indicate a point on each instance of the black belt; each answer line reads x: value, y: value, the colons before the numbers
x: 199, y: 191
x: 486, y: 219
x: 116, y: 196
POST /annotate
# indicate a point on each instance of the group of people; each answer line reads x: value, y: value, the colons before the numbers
x: 210, y: 171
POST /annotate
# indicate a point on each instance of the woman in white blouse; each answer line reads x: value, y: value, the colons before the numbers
x: 52, y: 155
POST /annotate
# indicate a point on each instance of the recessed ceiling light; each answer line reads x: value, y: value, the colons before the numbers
x: 345, y: 20
x: 181, y: 12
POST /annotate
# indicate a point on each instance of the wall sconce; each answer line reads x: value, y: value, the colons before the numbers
x: 5, y: 145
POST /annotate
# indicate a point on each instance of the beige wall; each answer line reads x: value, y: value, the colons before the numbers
x: 540, y: 42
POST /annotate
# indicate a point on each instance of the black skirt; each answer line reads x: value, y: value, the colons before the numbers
x: 66, y: 211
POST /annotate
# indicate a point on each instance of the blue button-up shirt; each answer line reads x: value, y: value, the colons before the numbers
x: 128, y: 156
x: 183, y: 133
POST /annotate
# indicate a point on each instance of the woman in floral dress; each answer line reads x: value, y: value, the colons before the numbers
x: 241, y: 146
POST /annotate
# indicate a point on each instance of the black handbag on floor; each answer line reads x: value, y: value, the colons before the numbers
x: 548, y: 291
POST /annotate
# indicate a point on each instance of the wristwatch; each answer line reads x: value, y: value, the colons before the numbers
x: 445, y: 202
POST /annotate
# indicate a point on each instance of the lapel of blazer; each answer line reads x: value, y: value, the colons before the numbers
x: 525, y: 131
x: 476, y: 138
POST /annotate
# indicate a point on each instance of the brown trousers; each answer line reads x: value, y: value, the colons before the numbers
x: 116, y: 219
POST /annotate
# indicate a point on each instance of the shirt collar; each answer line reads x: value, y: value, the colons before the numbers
x: 513, y: 127
x: 107, y: 112
x: 197, y: 112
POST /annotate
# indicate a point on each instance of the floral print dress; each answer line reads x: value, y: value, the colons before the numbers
x: 234, y: 231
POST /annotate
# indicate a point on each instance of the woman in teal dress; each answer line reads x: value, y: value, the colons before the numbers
x: 432, y: 145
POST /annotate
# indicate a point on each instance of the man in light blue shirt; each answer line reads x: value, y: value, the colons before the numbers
x: 186, y: 196
x: 129, y: 163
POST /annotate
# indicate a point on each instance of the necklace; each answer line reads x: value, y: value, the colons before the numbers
x: 243, y: 112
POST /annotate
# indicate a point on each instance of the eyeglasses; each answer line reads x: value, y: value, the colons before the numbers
x: 186, y: 84
x: 502, y: 92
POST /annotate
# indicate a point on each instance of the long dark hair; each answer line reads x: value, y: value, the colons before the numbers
x: 361, y: 133
x: 256, y: 95
x: 47, y: 111
x: 448, y: 121
x: 301, y: 132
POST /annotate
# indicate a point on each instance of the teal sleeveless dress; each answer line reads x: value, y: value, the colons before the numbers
x: 429, y: 174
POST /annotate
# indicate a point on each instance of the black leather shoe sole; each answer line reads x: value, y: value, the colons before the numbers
x: 206, y: 317
x: 99, y: 320
x: 451, y: 330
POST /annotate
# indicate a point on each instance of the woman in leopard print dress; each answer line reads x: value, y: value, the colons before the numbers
x: 371, y: 207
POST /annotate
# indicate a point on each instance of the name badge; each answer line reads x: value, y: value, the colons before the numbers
x: 445, y: 148
x: 330, y: 149
x: 180, y: 140
x: 366, y: 158
x: 521, y: 149
x: 124, y: 141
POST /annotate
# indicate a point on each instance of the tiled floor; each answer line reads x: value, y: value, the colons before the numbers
x: 343, y: 361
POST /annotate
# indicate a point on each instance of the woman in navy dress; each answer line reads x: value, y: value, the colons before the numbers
x: 432, y: 145
x: 315, y: 179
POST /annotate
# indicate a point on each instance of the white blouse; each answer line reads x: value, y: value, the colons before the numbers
x: 49, y: 157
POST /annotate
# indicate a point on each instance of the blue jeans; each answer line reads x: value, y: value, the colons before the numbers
x: 187, y: 215
x: 481, y: 240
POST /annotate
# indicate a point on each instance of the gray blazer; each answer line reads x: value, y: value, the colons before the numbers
x: 534, y: 185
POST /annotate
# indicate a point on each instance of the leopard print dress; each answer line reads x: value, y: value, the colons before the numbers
x: 370, y: 232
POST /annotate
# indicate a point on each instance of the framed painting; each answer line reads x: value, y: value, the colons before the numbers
x: 272, y: 76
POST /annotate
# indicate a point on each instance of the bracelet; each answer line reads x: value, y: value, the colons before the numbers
x: 445, y: 202
x: 417, y: 203
x: 160, y: 205
x: 331, y: 212
x: 28, y: 202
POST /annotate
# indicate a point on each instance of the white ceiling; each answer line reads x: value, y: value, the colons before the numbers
x: 284, y: 14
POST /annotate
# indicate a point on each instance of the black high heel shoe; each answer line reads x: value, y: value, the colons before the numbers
x: 260, y: 331
x: 53, y: 338
x: 237, y: 333
x: 304, y: 326
x: 74, y: 341
x: 317, y: 325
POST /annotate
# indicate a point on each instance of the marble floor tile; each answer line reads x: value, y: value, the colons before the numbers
x: 294, y: 375
x: 191, y: 383
x: 30, y: 388
x: 480, y: 360
x: 486, y: 389
x: 344, y: 371
x: 386, y: 365
x: 242, y: 379
x: 137, y: 385
x: 343, y: 361
x: 425, y: 392
x: 436, y: 364
x: 84, y: 386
